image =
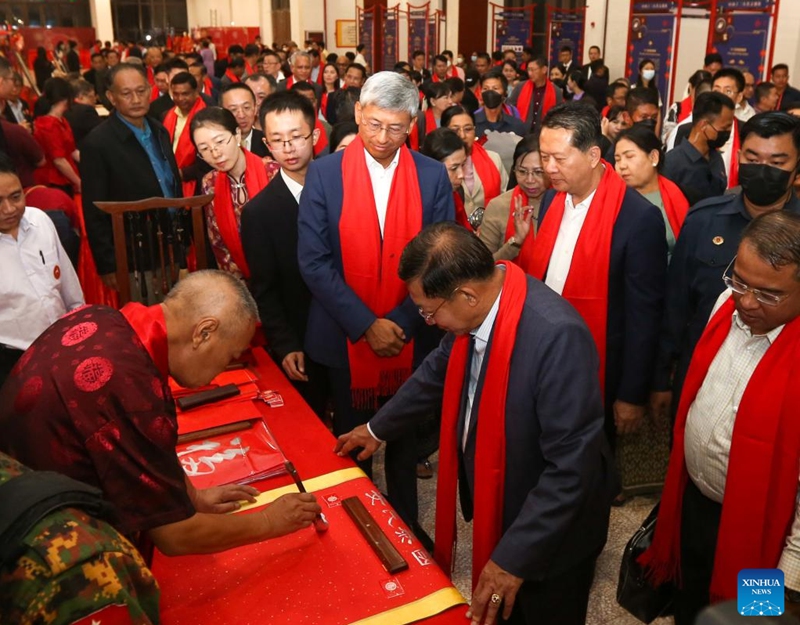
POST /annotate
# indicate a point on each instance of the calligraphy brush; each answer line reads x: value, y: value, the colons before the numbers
x: 320, y: 523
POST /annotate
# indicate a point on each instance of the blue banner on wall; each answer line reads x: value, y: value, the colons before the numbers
x: 512, y: 30
x: 652, y: 35
x: 433, y: 39
x: 566, y: 29
x: 740, y: 33
x: 417, y: 19
x: 389, y: 53
x: 366, y: 34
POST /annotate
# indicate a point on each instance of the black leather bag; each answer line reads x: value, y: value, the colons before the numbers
x: 634, y: 591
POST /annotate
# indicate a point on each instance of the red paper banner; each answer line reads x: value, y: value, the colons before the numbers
x: 331, y: 578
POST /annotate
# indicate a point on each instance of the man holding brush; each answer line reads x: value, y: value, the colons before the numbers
x: 90, y: 399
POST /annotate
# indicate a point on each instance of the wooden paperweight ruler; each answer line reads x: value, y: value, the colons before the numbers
x: 389, y: 556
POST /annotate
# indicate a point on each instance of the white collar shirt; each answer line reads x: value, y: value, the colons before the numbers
x: 37, y: 283
x: 246, y: 141
x: 568, y: 233
x: 381, y: 178
x: 295, y: 188
x: 481, y: 337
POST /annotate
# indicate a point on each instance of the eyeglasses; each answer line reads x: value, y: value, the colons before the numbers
x: 297, y: 143
x: 217, y: 146
x: 523, y: 173
x: 428, y: 317
x: 459, y: 130
x: 740, y: 288
x: 374, y: 127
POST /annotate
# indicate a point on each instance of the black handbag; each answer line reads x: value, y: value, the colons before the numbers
x: 634, y: 591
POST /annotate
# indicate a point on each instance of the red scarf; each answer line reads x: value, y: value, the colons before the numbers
x: 511, y: 227
x: 733, y: 172
x: 586, y: 287
x: 322, y: 142
x: 487, y: 172
x: 686, y: 109
x: 526, y: 96
x: 370, y: 266
x: 490, y: 442
x: 324, y: 104
x: 413, y: 137
x: 604, y: 112
x: 289, y: 82
x: 761, y: 485
x: 231, y: 76
x: 149, y: 325
x: 675, y: 204
x: 453, y: 73
x: 430, y: 121
x: 155, y: 94
x: 249, y: 69
x: 461, y: 213
x: 185, y: 151
x: 255, y: 179
x: 208, y: 86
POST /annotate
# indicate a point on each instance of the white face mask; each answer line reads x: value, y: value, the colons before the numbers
x: 461, y: 60
x: 473, y: 58
x: 649, y: 74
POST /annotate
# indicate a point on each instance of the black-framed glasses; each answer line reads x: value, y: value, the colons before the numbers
x: 217, y: 146
x: 429, y: 317
x: 740, y: 288
x: 298, y: 143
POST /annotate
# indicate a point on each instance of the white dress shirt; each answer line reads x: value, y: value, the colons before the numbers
x: 568, y: 233
x: 37, y: 282
x: 295, y: 188
x: 711, y: 418
x: 247, y: 140
x: 381, y: 178
x: 481, y: 336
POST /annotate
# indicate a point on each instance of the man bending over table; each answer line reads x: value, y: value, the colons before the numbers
x: 91, y: 399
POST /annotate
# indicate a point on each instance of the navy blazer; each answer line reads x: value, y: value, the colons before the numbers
x: 559, y: 477
x: 336, y: 312
x: 636, y: 286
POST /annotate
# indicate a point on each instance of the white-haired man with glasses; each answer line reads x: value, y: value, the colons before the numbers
x: 733, y: 472
x: 358, y: 210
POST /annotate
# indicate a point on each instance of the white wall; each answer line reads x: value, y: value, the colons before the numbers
x: 102, y: 19
x: 691, y: 50
x: 787, y: 42
x: 226, y: 12
x: 614, y: 47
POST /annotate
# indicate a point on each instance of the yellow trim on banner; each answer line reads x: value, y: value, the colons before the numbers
x: 312, y: 485
x: 426, y: 607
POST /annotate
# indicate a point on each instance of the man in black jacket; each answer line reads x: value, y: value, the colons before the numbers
x: 127, y: 158
x: 269, y: 238
x: 82, y: 114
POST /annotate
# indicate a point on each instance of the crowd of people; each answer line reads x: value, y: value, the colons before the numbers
x: 534, y: 256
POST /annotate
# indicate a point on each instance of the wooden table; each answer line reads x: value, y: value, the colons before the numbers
x: 305, y: 577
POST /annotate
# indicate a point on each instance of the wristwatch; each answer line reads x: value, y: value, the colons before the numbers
x: 513, y: 241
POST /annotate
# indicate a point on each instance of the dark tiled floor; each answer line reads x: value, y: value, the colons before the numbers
x: 603, y: 607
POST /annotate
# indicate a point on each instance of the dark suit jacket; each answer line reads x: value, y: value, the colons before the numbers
x: 114, y: 166
x: 336, y: 311
x: 514, y: 99
x: 559, y: 477
x: 257, y: 145
x: 269, y: 237
x: 82, y: 119
x: 636, y: 286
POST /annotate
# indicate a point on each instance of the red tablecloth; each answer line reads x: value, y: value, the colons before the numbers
x: 305, y: 577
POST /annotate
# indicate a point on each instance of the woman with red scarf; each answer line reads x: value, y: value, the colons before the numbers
x: 484, y: 175
x: 446, y: 146
x: 238, y: 176
x: 639, y: 157
x: 438, y: 97
x: 510, y: 218
x: 54, y: 134
x: 330, y: 84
